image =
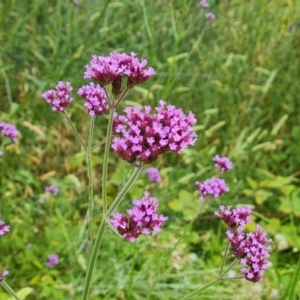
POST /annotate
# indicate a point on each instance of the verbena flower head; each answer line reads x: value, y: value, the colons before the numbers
x: 52, y: 260
x: 223, y: 163
x: 4, y: 273
x: 203, y: 4
x: 141, y: 219
x: 52, y: 190
x: 210, y: 16
x: 214, y: 187
x: 9, y: 130
x: 3, y: 228
x: 110, y: 69
x: 96, y: 99
x: 153, y: 175
x: 234, y: 217
x: 59, y: 98
x: 250, y: 248
x: 142, y: 136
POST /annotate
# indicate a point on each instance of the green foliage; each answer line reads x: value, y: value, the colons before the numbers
x: 238, y: 74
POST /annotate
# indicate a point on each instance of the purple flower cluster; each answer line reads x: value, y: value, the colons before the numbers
x: 144, y: 136
x: 153, y: 175
x: 223, y: 163
x: 52, y: 190
x: 210, y: 16
x: 4, y: 273
x: 141, y: 219
x: 59, y: 98
x: 235, y: 217
x: 109, y: 69
x: 9, y: 130
x: 215, y: 187
x: 249, y: 248
x: 52, y: 260
x: 203, y: 4
x: 96, y: 99
x: 3, y: 228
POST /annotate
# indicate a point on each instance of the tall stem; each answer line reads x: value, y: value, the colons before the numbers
x: 75, y: 131
x: 9, y: 290
x: 224, y: 258
x: 100, y: 233
x: 105, y: 159
x: 90, y: 176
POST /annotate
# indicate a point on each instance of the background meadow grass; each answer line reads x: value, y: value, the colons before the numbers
x: 238, y: 74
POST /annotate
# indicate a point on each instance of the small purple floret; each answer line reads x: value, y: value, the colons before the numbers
x: 3, y: 228
x: 9, y: 130
x: 52, y: 190
x: 153, y: 175
x: 210, y: 16
x: 214, y: 187
x: 223, y: 163
x: 59, y: 98
x: 141, y: 219
x: 52, y: 260
x: 203, y: 4
x: 4, y: 273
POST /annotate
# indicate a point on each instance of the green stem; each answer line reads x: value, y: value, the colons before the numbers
x: 90, y: 176
x: 229, y: 268
x: 98, y: 144
x: 105, y: 160
x: 75, y: 131
x: 121, y: 97
x: 10, y: 290
x: 100, y: 233
x: 200, y: 290
x: 224, y: 257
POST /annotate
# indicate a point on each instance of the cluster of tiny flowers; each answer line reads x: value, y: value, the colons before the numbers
x: 96, y: 99
x: 223, y: 163
x: 235, y: 217
x: 59, y: 98
x: 143, y: 137
x: 250, y: 248
x: 9, y: 130
x: 141, y: 219
x: 109, y: 69
x: 210, y: 16
x: 52, y: 190
x: 203, y: 4
x: 52, y: 260
x: 4, y: 273
x: 3, y: 228
x: 214, y: 187
x: 153, y: 175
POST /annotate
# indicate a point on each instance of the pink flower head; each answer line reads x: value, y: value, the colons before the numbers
x: 3, y: 228
x: 215, y: 187
x: 9, y: 130
x: 153, y: 175
x: 52, y: 260
x: 59, y: 98
x: 210, y: 16
x: 234, y: 217
x: 4, y: 273
x: 96, y: 99
x: 141, y: 219
x: 142, y: 137
x: 203, y: 4
x: 251, y: 250
x: 52, y: 190
x: 223, y: 163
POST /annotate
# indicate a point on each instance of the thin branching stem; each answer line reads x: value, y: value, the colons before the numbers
x: 10, y: 290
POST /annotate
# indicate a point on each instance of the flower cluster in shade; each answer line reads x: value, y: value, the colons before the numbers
x: 59, y: 98
x: 4, y: 273
x: 214, y: 187
x: 52, y: 260
x: 95, y: 99
x: 249, y: 248
x: 52, y: 190
x: 141, y: 219
x: 223, y: 163
x: 142, y: 136
x: 9, y: 130
x: 153, y: 175
x: 111, y: 68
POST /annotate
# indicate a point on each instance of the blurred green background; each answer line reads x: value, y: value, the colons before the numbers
x: 238, y: 73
